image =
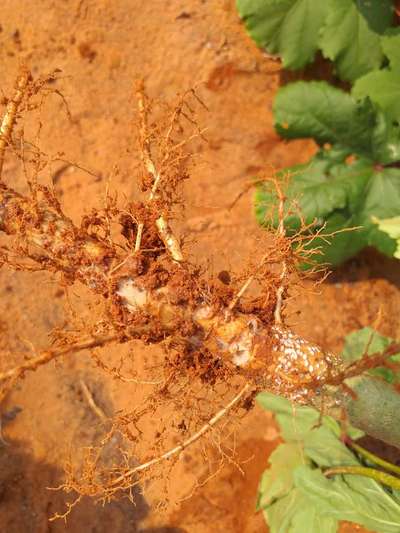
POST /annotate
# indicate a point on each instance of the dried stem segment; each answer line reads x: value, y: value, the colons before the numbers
x: 169, y: 239
x: 281, y: 233
x: 48, y: 355
x: 11, y: 114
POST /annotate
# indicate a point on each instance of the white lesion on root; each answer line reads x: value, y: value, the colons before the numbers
x: 234, y: 335
x: 133, y: 297
x: 241, y: 348
x: 234, y: 338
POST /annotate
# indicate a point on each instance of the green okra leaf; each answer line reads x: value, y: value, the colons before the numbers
x: 289, y: 28
x: 351, y: 35
x: 350, y: 497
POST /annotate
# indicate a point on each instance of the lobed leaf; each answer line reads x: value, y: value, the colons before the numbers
x: 328, y: 114
x: 390, y: 42
x: 353, y: 498
x: 390, y: 226
x: 347, y: 31
x: 385, y: 140
x: 294, y: 421
x: 289, y: 28
x: 382, y: 200
x: 367, y: 341
x: 363, y: 341
x: 342, y: 198
x: 277, y: 480
x: 383, y: 87
x: 294, y: 494
x: 324, y: 448
x: 351, y: 37
x: 296, y: 513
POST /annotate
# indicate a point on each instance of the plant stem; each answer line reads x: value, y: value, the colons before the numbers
x: 47, y: 355
x: 372, y: 473
x: 374, y: 458
x: 373, y: 408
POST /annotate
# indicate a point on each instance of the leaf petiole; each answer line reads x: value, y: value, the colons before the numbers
x: 374, y: 458
x: 372, y: 473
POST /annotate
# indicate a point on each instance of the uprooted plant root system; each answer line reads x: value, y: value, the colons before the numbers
x: 222, y: 331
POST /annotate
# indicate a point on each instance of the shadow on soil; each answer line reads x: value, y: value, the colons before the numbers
x: 369, y: 264
x: 26, y: 504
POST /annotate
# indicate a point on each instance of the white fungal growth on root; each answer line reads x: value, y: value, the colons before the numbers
x: 241, y: 352
x: 133, y: 297
x: 242, y: 349
x: 235, y: 338
x: 239, y: 346
x: 203, y: 312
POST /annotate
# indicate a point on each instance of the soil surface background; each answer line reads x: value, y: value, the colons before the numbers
x: 102, y: 47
